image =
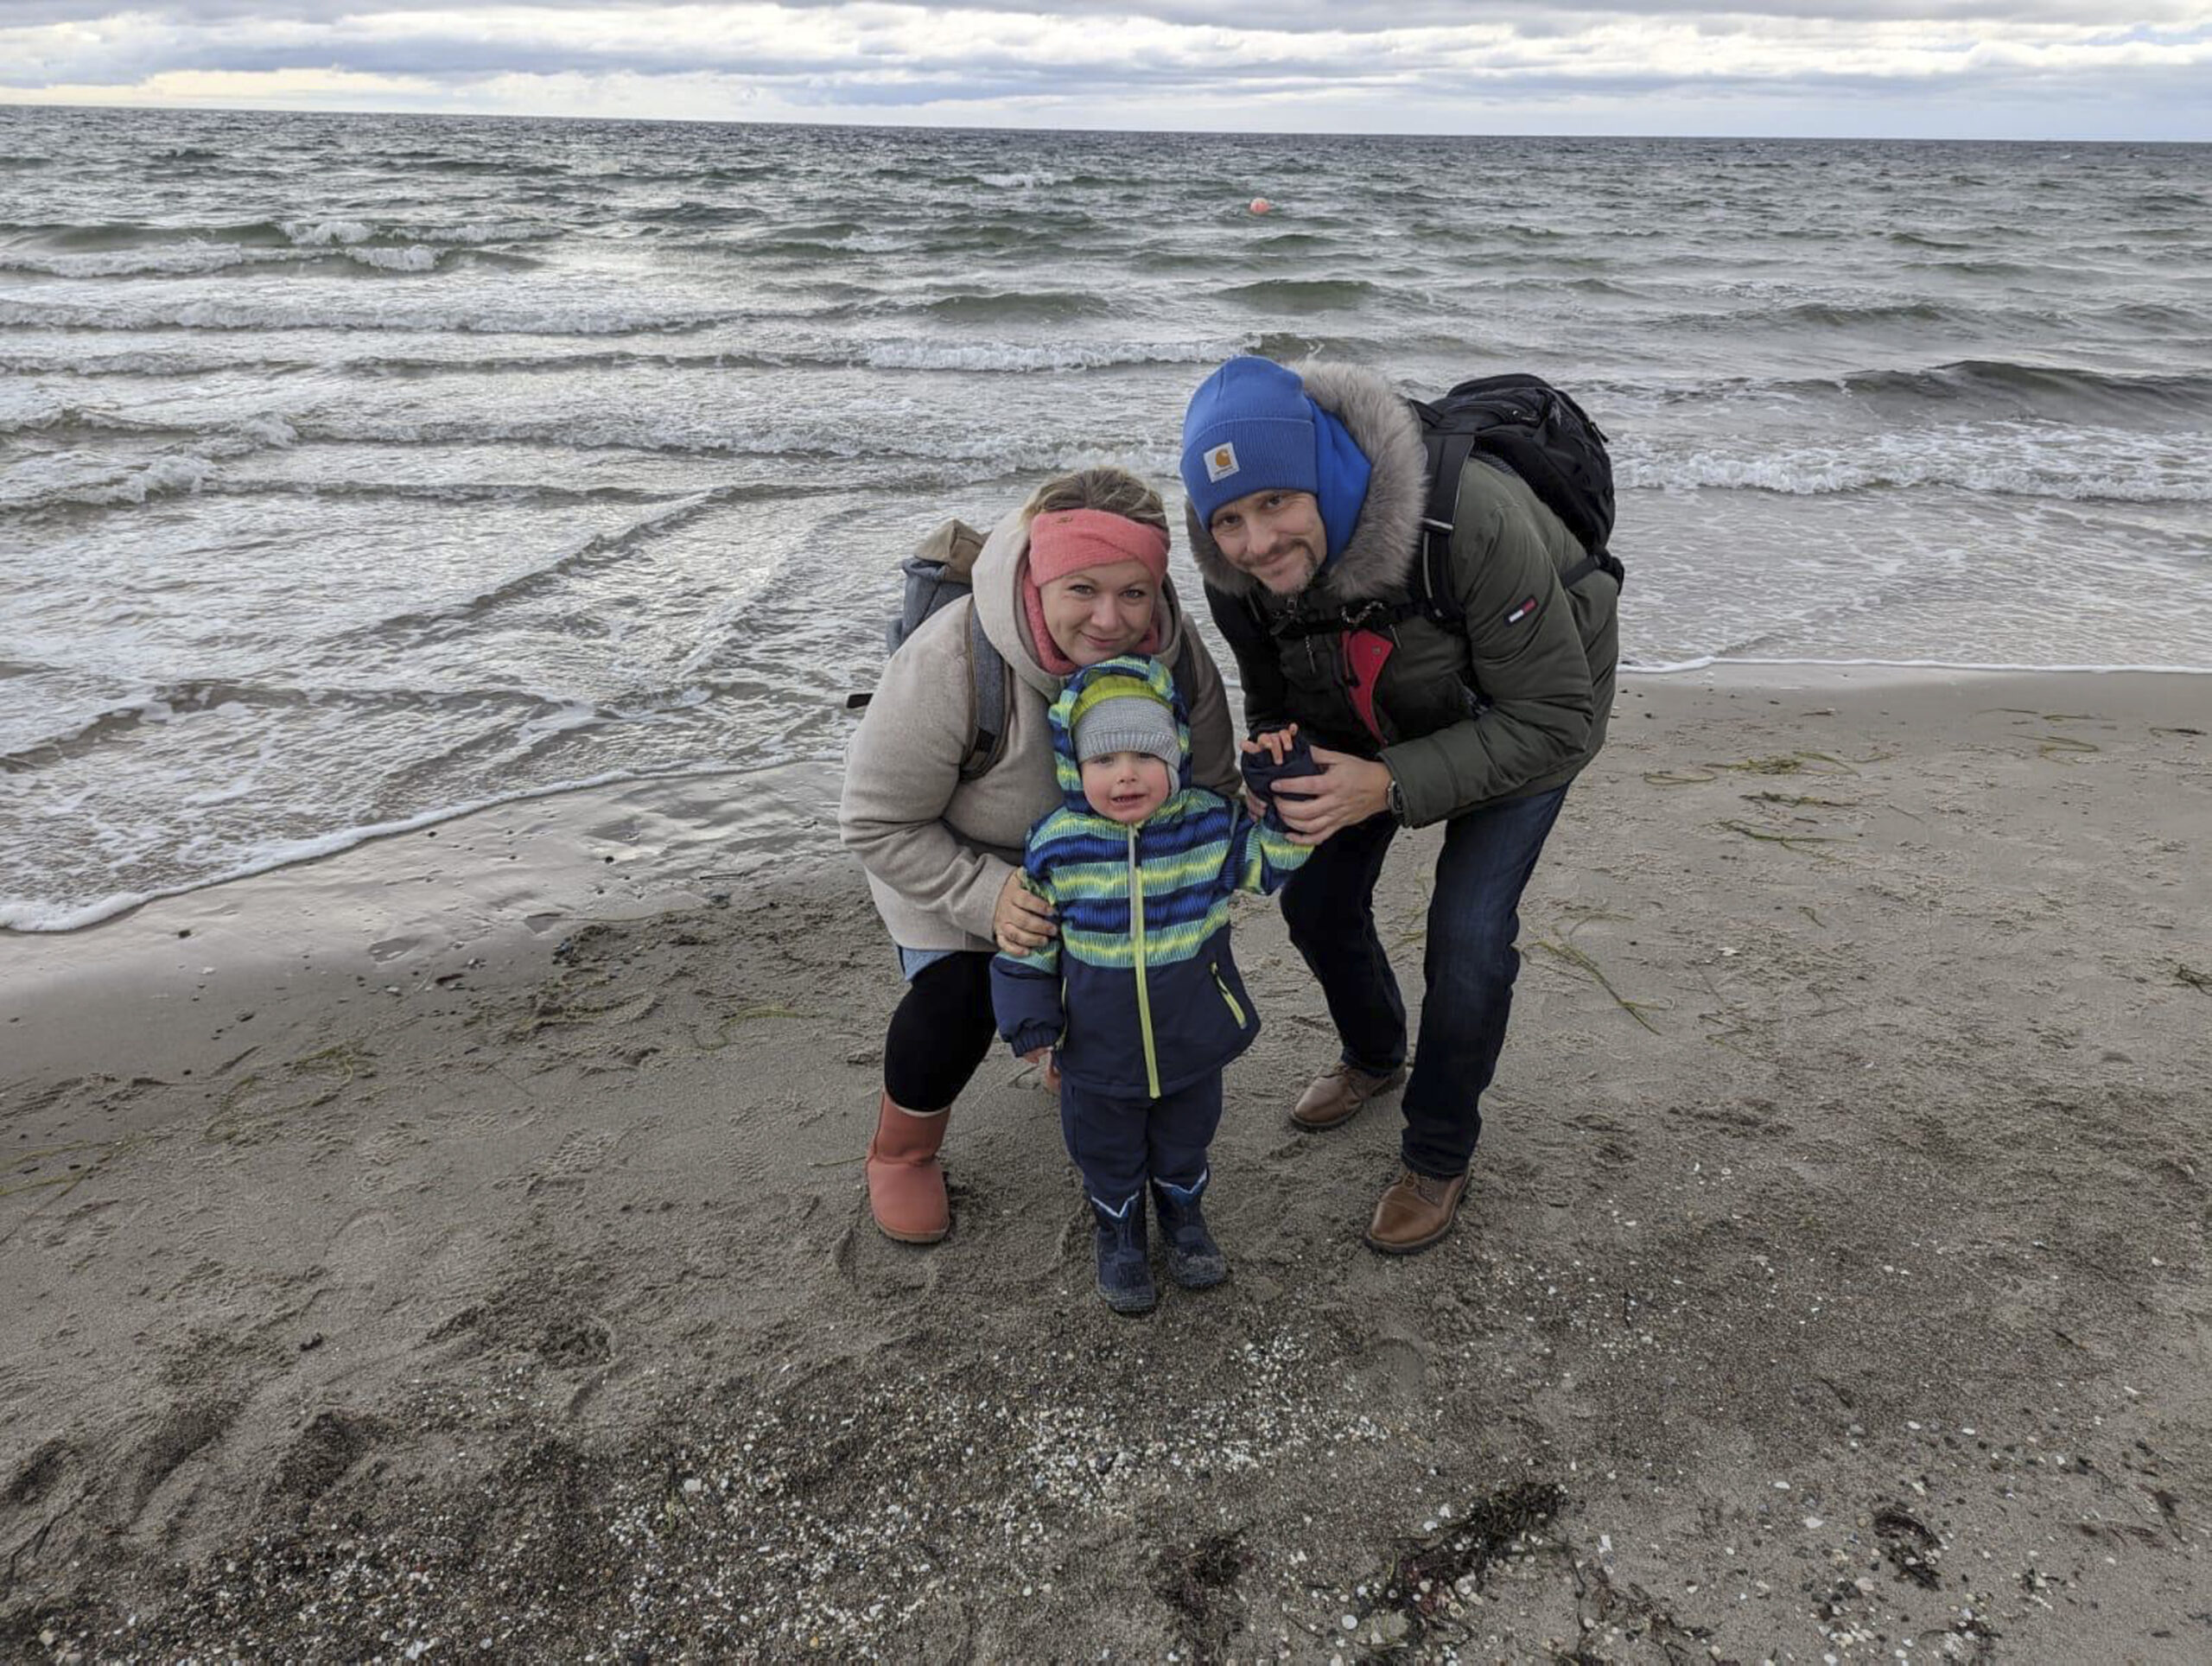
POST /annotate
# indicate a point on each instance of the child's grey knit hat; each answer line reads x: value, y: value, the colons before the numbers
x: 1129, y: 719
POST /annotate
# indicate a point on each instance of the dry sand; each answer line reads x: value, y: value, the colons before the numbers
x: 403, y: 1266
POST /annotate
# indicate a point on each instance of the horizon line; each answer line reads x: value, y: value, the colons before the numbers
x: 9, y: 103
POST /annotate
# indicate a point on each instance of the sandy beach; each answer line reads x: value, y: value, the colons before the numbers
x: 456, y: 1248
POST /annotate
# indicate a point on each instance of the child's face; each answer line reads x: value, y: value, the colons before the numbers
x: 1125, y: 787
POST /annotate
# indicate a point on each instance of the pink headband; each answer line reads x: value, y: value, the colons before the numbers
x: 1064, y: 541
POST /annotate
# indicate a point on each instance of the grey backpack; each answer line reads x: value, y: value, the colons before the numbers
x: 937, y: 574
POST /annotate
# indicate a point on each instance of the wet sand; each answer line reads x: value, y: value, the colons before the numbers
x: 432, y: 1255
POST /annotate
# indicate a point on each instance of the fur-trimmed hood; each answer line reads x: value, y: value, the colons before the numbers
x: 1378, y: 559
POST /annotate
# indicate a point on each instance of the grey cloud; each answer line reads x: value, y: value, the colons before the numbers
x: 433, y: 41
x: 1292, y: 16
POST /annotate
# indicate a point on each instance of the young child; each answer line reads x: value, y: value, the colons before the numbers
x: 1138, y: 996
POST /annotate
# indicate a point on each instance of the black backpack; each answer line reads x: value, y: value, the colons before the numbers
x: 1521, y: 423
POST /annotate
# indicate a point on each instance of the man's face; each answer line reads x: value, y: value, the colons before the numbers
x: 1274, y: 536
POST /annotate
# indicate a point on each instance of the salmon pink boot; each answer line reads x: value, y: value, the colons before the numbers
x: 906, y: 1188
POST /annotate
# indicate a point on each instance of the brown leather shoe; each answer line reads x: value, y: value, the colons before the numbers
x: 1414, y: 1212
x: 1337, y: 1095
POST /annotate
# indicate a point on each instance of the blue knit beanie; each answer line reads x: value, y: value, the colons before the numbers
x: 1251, y: 426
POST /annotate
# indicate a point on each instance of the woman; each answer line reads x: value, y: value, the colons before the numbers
x: 1076, y: 575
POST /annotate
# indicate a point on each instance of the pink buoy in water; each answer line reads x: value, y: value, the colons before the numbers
x: 1262, y: 206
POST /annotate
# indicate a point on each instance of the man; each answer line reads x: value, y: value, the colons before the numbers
x: 1307, y: 489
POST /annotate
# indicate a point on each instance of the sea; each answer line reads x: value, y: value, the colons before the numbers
x: 359, y: 470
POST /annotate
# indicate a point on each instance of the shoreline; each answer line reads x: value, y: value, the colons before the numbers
x: 1834, y: 1279
x: 593, y: 799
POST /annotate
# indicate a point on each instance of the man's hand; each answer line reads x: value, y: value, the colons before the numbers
x: 1022, y: 921
x: 1346, y: 791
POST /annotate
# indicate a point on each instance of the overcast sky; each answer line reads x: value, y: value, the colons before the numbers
x: 1901, y: 68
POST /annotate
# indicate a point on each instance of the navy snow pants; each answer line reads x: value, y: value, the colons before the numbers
x: 1119, y: 1144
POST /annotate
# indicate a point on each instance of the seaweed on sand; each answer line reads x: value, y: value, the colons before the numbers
x: 1423, y: 1588
x: 1198, y: 1583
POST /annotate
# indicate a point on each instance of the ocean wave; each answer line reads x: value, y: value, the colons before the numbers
x: 516, y: 316
x: 1024, y: 358
x: 1924, y: 240
x: 260, y: 430
x: 322, y: 233
x: 155, y: 705
x: 2027, y: 470
x: 92, y: 479
x: 998, y: 306
x: 879, y: 460
x: 1828, y: 314
x: 50, y: 482
x: 168, y: 260
x: 175, y: 702
x: 1303, y: 295
x: 328, y: 232
x: 2056, y: 390
x: 431, y: 624
x: 194, y: 260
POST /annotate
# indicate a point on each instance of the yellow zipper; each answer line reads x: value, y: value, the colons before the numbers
x: 1222, y: 983
x: 1144, y: 996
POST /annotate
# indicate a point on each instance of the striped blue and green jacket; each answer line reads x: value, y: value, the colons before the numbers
x: 1139, y: 993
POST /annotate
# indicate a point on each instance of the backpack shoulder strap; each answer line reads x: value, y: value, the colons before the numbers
x: 1449, y: 451
x: 987, y: 693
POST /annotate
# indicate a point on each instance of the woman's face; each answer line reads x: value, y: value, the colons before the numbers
x: 1098, y: 611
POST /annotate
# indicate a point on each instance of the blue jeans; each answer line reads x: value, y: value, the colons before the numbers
x: 1468, y: 966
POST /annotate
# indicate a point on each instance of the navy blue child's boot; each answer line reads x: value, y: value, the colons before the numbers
x: 1124, y: 1272
x: 1194, y: 1260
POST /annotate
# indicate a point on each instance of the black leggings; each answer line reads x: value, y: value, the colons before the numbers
x: 940, y: 1032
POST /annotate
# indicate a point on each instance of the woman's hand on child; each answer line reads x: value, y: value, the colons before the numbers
x: 1042, y: 1058
x: 1021, y: 920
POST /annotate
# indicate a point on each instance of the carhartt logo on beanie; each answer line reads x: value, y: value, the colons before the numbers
x: 1249, y: 429
x: 1121, y: 715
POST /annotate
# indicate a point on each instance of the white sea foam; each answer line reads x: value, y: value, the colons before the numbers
x: 415, y: 257
x: 495, y: 231
x: 168, y: 259
x: 79, y: 477
x: 309, y: 241
x: 520, y: 315
x: 322, y: 233
x: 2091, y: 466
x: 1706, y: 662
x: 1038, y: 356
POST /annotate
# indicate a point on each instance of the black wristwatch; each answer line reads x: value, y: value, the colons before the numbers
x: 1396, y: 800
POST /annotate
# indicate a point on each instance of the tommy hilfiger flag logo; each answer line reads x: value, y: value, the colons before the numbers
x: 1527, y: 606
